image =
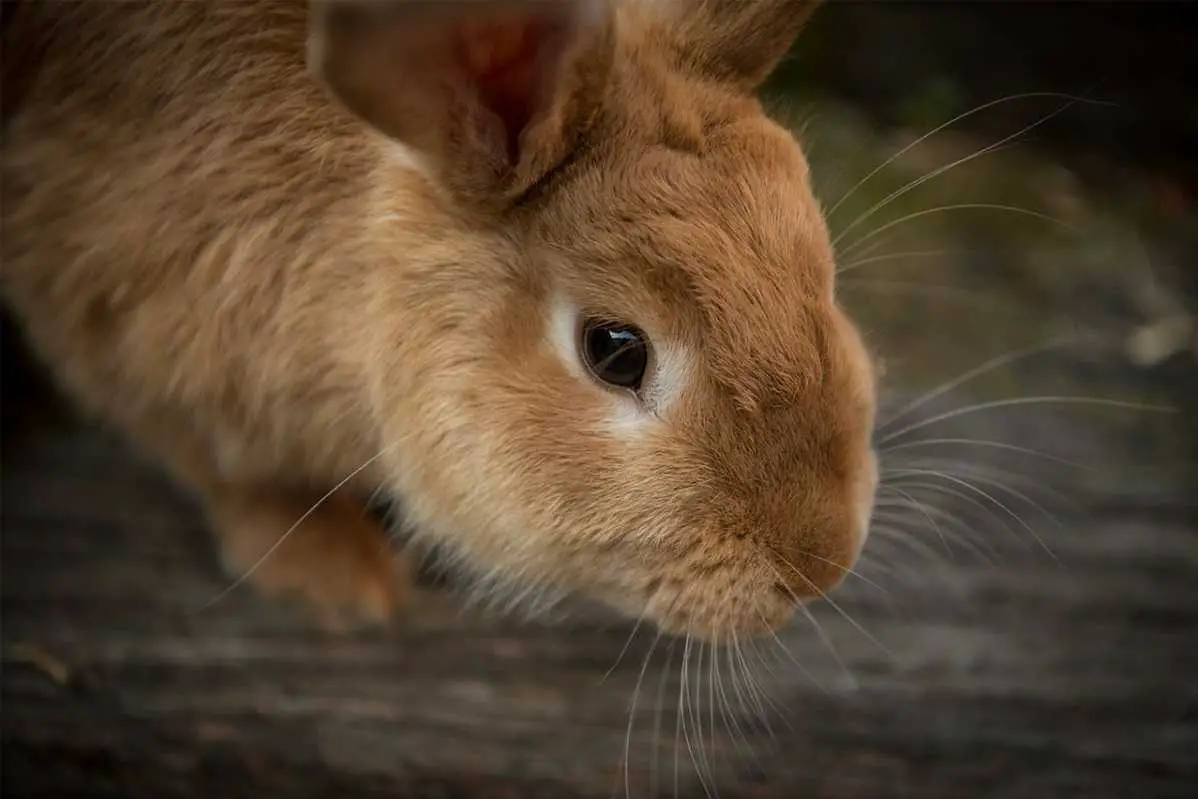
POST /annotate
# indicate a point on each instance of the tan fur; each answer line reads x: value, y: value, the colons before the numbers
x: 259, y: 287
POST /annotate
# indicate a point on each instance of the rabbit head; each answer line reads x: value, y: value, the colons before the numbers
x: 637, y: 383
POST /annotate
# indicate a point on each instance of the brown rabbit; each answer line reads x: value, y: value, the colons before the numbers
x: 544, y: 273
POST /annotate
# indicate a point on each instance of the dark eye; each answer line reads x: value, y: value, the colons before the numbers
x: 616, y: 354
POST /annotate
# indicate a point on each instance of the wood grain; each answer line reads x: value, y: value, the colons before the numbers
x: 1007, y: 673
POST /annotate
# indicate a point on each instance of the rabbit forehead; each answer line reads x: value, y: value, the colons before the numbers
x: 725, y: 247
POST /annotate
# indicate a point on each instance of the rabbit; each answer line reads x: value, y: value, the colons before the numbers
x: 546, y: 275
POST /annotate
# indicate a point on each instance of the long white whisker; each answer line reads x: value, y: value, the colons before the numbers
x: 917, y: 505
x: 666, y: 671
x: 965, y: 527
x: 744, y: 686
x: 833, y: 604
x: 819, y: 629
x: 985, y: 479
x: 941, y: 209
x: 846, y: 569
x: 900, y: 536
x: 917, y: 288
x: 704, y: 761
x: 791, y: 657
x: 711, y: 706
x: 636, y: 691
x: 283, y: 538
x: 987, y: 473
x: 1007, y: 403
x: 986, y: 367
x: 979, y: 442
x: 687, y: 706
x: 680, y: 716
x: 757, y: 695
x: 727, y: 711
x: 892, y: 256
x: 991, y: 498
x: 639, y: 620
x: 949, y: 123
x: 914, y: 184
x: 958, y: 526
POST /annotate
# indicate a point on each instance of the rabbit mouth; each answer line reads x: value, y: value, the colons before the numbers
x: 752, y: 591
x: 716, y: 604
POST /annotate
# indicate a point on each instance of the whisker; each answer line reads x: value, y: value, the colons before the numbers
x: 741, y: 700
x: 997, y: 362
x: 685, y: 703
x: 819, y: 630
x: 639, y: 620
x: 1017, y: 494
x: 918, y: 506
x: 910, y: 186
x: 759, y: 684
x: 985, y: 479
x: 727, y: 713
x: 703, y: 743
x: 991, y: 498
x: 961, y: 529
x: 632, y: 714
x: 711, y: 703
x: 941, y: 209
x: 680, y: 714
x: 826, y: 639
x: 914, y: 184
x: 791, y: 657
x: 666, y: 671
x: 846, y: 569
x: 988, y: 473
x: 823, y: 595
x: 907, y: 542
x: 283, y: 538
x: 961, y: 539
x: 1014, y: 401
x: 981, y: 442
x: 915, y: 287
x: 965, y: 527
x: 893, y: 256
x: 750, y: 691
x: 869, y: 250
x: 949, y: 123
x: 762, y: 701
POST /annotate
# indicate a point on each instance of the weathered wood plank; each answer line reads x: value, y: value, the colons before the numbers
x: 1017, y: 676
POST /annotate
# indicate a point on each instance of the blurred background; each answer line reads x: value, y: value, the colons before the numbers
x: 1023, y: 624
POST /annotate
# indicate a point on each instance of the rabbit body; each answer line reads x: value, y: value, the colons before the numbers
x: 300, y: 253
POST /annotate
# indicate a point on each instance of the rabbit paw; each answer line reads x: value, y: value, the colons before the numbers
x: 329, y: 555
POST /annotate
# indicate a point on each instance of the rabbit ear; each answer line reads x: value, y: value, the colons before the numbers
x: 491, y: 93
x: 737, y: 41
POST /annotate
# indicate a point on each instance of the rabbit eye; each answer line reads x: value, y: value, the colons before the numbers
x: 616, y: 354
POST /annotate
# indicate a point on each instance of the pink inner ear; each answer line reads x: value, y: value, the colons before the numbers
x: 506, y: 61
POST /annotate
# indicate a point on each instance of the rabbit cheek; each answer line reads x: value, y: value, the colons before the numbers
x: 867, y: 488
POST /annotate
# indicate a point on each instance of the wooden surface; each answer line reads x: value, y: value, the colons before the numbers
x: 1006, y: 673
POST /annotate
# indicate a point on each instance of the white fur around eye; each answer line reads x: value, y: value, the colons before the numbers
x: 671, y: 372
x: 626, y: 412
